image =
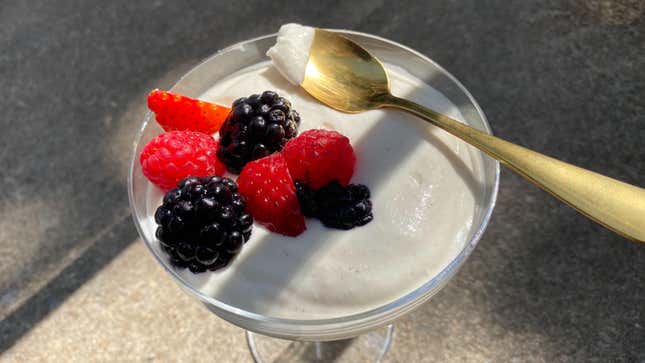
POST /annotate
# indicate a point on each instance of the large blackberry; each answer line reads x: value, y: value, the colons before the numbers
x: 257, y: 126
x: 203, y: 223
x: 336, y: 206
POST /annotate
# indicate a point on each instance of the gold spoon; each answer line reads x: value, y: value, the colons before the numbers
x: 345, y: 76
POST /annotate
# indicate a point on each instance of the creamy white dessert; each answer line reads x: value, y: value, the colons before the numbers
x: 425, y: 186
x: 291, y: 51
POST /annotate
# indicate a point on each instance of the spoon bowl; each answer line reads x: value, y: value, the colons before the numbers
x: 344, y: 75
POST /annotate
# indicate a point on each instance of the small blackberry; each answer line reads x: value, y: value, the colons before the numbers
x: 307, y: 200
x: 336, y: 206
x: 203, y: 223
x: 257, y: 126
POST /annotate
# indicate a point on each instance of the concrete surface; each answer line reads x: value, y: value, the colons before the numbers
x: 545, y: 285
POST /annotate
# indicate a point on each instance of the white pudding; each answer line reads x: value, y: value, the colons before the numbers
x: 291, y: 51
x: 425, y: 184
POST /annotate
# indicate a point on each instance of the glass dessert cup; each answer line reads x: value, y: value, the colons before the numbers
x: 340, y: 333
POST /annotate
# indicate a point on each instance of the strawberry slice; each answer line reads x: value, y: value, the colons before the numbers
x: 177, y: 112
x: 271, y: 195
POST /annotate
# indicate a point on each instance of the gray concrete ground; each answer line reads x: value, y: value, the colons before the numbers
x: 562, y: 77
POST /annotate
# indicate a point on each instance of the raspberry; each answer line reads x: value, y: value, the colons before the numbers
x: 317, y: 157
x: 203, y: 223
x: 271, y: 195
x: 175, y: 155
x: 176, y: 112
x: 257, y: 126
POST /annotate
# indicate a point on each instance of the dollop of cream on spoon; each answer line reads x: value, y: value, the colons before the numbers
x: 291, y: 52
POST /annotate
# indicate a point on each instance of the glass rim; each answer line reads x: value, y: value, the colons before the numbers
x: 370, y: 318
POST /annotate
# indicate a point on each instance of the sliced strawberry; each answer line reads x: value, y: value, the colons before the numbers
x: 271, y: 196
x: 318, y: 157
x: 177, y: 112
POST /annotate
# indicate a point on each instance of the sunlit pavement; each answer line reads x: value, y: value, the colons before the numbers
x: 131, y: 310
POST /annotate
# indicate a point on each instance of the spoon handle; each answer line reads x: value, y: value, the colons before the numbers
x: 616, y: 205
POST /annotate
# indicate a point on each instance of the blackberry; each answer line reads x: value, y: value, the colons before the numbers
x: 336, y: 206
x: 307, y: 200
x: 257, y: 126
x: 203, y: 223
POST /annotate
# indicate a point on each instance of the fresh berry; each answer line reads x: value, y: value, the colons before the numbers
x: 199, y: 225
x: 307, y: 200
x: 177, y: 112
x: 336, y: 206
x: 271, y: 195
x: 317, y: 157
x: 257, y: 126
x: 174, y: 155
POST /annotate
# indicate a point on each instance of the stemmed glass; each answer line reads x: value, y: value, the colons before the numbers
x: 365, y: 336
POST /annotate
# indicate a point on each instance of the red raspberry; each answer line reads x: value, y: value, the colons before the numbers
x: 318, y: 157
x: 175, y: 155
x: 176, y: 112
x: 271, y: 196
